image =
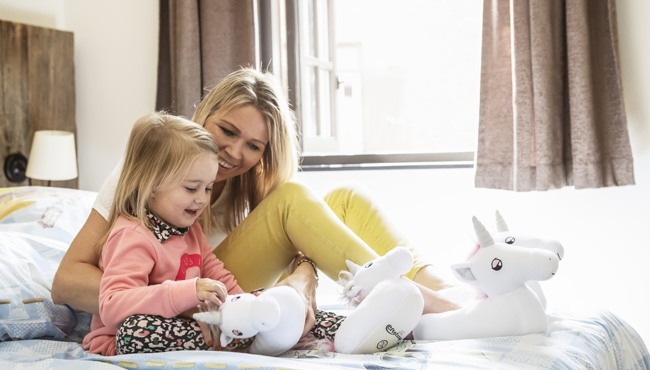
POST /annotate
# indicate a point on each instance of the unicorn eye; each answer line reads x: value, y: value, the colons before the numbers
x: 234, y: 299
x: 237, y: 333
x: 497, y: 264
x: 510, y: 240
x: 368, y: 264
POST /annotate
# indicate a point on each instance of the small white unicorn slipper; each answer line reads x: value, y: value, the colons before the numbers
x: 501, y: 270
x: 387, y: 306
x: 276, y: 318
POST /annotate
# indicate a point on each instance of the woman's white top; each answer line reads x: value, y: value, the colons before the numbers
x: 106, y: 195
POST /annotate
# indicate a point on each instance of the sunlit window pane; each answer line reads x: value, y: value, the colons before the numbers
x: 310, y: 102
x: 311, y: 27
x: 325, y: 129
x: 411, y: 73
x: 323, y: 22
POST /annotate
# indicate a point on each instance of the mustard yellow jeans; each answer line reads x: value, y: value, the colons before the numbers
x: 346, y: 224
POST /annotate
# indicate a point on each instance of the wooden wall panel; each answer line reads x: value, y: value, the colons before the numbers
x: 14, y: 102
x: 38, y: 89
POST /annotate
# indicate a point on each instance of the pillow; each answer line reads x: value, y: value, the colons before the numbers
x: 37, y: 225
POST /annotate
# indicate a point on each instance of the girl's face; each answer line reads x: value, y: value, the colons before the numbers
x: 180, y: 204
x: 241, y: 136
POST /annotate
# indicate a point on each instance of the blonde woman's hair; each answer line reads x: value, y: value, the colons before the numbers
x: 280, y: 159
x: 160, y: 151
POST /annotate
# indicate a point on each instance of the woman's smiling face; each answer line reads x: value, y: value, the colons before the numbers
x: 242, y: 136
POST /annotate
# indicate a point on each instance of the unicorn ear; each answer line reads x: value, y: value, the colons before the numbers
x: 463, y: 272
x: 502, y: 226
x: 353, y: 267
x: 484, y: 238
x: 351, y: 290
x: 224, y: 339
x: 400, y: 259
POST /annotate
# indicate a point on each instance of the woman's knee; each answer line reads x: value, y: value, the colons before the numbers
x: 293, y: 190
x: 348, y: 193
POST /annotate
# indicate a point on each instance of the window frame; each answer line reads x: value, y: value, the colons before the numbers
x: 295, y: 58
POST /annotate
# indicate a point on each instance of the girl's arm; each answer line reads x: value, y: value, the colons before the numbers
x: 76, y: 282
x: 213, y: 268
x: 129, y: 257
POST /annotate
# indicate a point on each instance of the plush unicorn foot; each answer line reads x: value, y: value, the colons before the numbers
x: 501, y: 270
x: 390, y: 306
x: 517, y: 313
x: 388, y: 314
x: 276, y: 318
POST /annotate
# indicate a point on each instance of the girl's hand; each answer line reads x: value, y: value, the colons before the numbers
x: 211, y: 290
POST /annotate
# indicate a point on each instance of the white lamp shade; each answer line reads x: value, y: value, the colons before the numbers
x: 53, y: 156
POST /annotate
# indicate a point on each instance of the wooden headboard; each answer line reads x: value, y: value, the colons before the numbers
x: 37, y: 89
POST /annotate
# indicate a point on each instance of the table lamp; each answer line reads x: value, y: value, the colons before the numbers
x: 53, y: 157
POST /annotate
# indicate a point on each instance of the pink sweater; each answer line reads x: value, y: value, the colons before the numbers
x: 143, y: 276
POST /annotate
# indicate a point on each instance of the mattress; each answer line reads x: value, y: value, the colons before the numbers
x: 577, y: 340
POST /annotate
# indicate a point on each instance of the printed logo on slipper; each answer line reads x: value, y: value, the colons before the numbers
x: 392, y: 331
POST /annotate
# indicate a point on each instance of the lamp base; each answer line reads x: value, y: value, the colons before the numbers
x: 49, y: 182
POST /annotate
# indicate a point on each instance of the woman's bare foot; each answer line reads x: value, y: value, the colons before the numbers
x: 434, y: 302
x: 429, y: 277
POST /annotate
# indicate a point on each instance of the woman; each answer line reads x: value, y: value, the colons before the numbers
x: 264, y: 221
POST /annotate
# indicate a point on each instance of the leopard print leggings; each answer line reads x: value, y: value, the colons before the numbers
x: 327, y: 323
x: 150, y: 333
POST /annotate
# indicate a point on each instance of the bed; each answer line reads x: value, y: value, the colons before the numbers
x: 37, y: 224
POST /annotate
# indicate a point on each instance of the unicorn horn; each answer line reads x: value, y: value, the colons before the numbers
x: 209, y: 317
x: 353, y: 267
x: 501, y: 223
x: 483, y: 236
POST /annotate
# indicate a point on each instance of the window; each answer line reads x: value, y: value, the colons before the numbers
x: 318, y: 86
x: 385, y: 82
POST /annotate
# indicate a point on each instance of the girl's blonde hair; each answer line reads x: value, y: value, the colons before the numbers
x: 280, y: 159
x: 160, y: 151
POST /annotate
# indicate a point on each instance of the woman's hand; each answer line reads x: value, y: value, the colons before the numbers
x: 303, y: 279
x: 211, y: 290
x: 205, y: 328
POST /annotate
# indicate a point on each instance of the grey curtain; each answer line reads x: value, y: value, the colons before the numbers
x: 551, y: 109
x: 200, y: 43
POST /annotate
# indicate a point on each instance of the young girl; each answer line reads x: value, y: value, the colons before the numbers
x: 156, y: 259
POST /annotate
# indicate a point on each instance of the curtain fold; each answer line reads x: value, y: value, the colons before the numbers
x: 551, y: 108
x: 200, y: 43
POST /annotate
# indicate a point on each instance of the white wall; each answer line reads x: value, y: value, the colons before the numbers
x: 604, y: 231
x: 116, y: 59
x: 116, y: 54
